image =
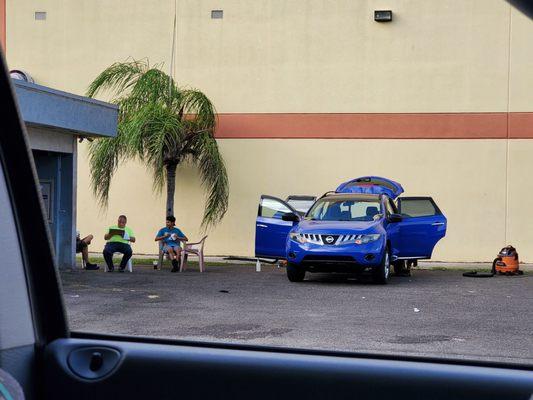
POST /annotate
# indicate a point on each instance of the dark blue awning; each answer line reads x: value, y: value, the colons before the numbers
x: 43, y: 106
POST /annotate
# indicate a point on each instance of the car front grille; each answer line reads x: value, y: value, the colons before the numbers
x: 329, y: 240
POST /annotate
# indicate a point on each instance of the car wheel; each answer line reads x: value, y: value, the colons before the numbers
x: 401, y: 268
x: 295, y: 273
x: 382, y: 273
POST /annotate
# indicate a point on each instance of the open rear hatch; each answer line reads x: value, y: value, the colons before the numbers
x: 372, y: 185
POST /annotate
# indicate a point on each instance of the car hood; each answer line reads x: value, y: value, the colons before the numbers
x: 340, y: 227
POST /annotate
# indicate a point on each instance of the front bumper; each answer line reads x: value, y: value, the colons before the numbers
x: 329, y: 257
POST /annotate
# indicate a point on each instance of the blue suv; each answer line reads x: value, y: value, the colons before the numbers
x: 362, y: 226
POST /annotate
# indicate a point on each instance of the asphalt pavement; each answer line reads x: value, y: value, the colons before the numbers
x: 432, y: 313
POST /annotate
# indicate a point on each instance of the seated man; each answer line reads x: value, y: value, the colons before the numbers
x: 171, y: 238
x: 118, y: 239
x: 82, y: 246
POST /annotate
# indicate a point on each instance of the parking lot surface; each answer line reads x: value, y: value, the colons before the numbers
x: 432, y: 313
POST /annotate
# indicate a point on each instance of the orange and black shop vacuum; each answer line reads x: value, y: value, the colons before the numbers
x: 505, y: 263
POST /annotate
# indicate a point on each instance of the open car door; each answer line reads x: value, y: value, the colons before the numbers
x: 270, y: 230
x: 423, y: 225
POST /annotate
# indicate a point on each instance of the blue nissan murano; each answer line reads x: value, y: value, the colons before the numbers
x: 362, y: 226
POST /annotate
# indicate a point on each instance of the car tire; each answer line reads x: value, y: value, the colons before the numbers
x: 295, y: 273
x: 382, y: 273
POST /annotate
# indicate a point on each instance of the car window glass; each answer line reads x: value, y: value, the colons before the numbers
x: 271, y: 208
x: 302, y: 206
x: 344, y: 210
x: 292, y: 99
x: 417, y: 208
x: 371, y: 182
x: 16, y: 326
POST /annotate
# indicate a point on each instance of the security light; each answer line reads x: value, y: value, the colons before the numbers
x: 40, y: 15
x: 383, y: 15
x: 217, y: 14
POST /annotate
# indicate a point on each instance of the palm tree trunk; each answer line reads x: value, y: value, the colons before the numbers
x: 171, y: 187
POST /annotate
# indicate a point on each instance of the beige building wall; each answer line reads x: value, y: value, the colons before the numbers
x: 287, y: 55
x: 317, y: 56
x: 466, y: 178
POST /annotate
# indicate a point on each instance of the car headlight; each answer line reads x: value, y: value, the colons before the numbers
x: 297, y: 237
x: 364, y: 239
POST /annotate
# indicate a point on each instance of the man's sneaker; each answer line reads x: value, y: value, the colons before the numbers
x: 175, y: 266
x: 110, y: 269
x: 121, y: 269
x: 91, y: 267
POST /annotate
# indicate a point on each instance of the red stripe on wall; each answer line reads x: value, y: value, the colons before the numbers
x: 377, y: 126
x: 3, y: 24
x: 521, y: 125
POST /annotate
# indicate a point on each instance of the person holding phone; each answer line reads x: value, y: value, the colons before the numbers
x: 171, y: 238
x: 118, y: 239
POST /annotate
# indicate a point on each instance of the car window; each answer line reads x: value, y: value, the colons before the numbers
x: 371, y: 182
x: 418, y: 208
x: 140, y: 111
x: 302, y: 206
x: 16, y: 328
x: 344, y: 210
x: 271, y: 208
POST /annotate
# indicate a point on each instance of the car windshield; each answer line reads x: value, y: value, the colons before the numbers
x: 334, y: 209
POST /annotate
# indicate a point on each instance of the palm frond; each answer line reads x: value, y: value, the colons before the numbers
x: 118, y: 77
x: 214, y: 178
x: 104, y: 156
x: 198, y: 107
x: 158, y: 136
x: 155, y: 86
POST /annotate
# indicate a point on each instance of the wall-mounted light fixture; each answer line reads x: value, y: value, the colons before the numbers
x: 383, y: 15
x: 217, y: 14
x: 40, y: 15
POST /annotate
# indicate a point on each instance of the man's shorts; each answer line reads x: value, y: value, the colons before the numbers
x: 80, y: 245
x: 166, y: 247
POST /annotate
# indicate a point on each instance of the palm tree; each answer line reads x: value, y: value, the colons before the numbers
x: 163, y: 126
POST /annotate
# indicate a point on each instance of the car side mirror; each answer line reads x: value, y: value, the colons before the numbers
x: 395, y: 218
x: 292, y: 217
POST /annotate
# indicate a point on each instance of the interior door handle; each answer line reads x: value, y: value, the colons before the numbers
x: 437, y: 223
x: 262, y: 226
x: 93, y: 362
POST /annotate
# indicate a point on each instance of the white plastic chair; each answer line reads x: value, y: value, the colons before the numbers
x: 196, y: 249
x: 162, y: 255
x: 129, y: 265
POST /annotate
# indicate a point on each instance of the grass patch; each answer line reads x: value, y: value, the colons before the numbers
x: 149, y: 262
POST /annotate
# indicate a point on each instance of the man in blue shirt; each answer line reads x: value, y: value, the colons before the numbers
x: 170, y: 238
